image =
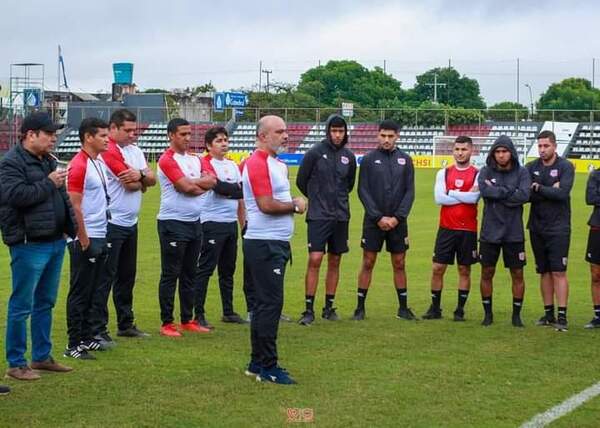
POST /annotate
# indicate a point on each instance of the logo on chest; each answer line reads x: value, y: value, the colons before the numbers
x: 345, y: 160
x: 459, y: 182
x: 554, y: 173
x: 401, y: 161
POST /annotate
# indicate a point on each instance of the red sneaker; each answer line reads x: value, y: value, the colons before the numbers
x: 194, y: 327
x: 169, y: 330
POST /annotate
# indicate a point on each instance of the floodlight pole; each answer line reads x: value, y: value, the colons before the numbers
x: 528, y: 86
x: 435, y: 85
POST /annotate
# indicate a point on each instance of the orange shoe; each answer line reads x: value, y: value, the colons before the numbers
x: 169, y: 330
x: 194, y: 327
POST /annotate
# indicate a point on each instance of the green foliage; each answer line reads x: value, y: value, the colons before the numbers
x: 505, y: 111
x: 349, y: 81
x: 460, y: 91
x: 573, y: 93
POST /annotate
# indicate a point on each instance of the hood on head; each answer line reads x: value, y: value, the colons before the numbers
x: 506, y: 142
x: 336, y: 117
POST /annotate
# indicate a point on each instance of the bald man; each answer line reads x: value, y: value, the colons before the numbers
x: 270, y: 209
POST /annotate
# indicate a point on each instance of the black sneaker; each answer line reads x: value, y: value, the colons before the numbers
x: 407, y: 314
x: 561, y: 324
x: 516, y: 321
x: 92, y: 345
x: 233, y: 319
x: 594, y: 323
x: 488, y: 319
x: 4, y: 390
x: 308, y: 317
x: 132, y: 331
x: 105, y: 340
x: 78, y: 353
x: 546, y: 320
x: 359, y: 314
x: 432, y: 314
x: 329, y: 314
x: 459, y: 315
x: 204, y: 323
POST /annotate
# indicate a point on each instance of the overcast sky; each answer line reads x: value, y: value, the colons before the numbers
x: 180, y: 43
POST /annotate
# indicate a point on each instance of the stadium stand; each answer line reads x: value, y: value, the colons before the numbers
x: 586, y: 142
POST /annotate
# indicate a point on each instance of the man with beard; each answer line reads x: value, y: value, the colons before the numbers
x: 504, y: 186
x: 326, y: 177
x: 457, y: 192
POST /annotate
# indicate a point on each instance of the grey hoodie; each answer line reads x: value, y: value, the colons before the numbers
x: 503, y: 197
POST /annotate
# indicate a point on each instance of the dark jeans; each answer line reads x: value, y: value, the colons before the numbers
x: 35, y: 268
x: 219, y: 248
x: 248, y: 287
x: 87, y: 269
x: 180, y: 244
x: 120, y: 276
x: 267, y: 261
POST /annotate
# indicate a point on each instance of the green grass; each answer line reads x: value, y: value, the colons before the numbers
x: 381, y: 372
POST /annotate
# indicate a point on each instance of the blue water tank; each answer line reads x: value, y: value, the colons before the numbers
x: 123, y: 72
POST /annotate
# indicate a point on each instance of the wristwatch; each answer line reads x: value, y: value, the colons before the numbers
x: 142, y: 175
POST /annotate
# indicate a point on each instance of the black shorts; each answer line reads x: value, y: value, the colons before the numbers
x: 396, y: 240
x: 330, y: 235
x: 461, y: 243
x: 513, y: 254
x: 592, y: 253
x: 551, y: 252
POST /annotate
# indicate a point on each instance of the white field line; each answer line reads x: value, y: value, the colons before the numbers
x: 567, y: 406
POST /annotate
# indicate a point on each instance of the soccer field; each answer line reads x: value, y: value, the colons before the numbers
x: 379, y: 372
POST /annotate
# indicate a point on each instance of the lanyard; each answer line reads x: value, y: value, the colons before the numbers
x: 101, y: 175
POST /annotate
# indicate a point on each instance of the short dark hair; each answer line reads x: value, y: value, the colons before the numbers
x: 463, y: 139
x: 121, y: 116
x: 547, y: 134
x: 91, y: 125
x: 213, y: 132
x: 176, y: 123
x: 389, y: 124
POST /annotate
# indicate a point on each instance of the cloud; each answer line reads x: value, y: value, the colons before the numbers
x: 185, y: 43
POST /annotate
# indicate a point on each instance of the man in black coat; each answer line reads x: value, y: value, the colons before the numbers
x: 386, y: 188
x: 326, y: 177
x: 35, y: 217
x: 504, y: 186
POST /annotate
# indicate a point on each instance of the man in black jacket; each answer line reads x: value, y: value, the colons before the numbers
x: 592, y: 197
x: 386, y: 188
x: 326, y: 177
x: 35, y: 216
x: 504, y: 186
x: 550, y: 226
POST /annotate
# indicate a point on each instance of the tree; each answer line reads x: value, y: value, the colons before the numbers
x: 349, y: 81
x: 155, y: 91
x: 573, y: 93
x: 505, y: 111
x: 460, y: 91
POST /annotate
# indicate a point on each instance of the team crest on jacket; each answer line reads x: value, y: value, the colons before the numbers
x: 345, y: 160
x: 459, y: 182
x: 402, y: 161
x: 554, y: 173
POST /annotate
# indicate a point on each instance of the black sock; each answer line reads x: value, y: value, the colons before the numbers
x: 562, y: 312
x: 310, y: 302
x: 487, y: 304
x: 597, y: 311
x: 329, y: 298
x: 402, y: 297
x: 436, y: 299
x: 361, y: 295
x: 462, y: 298
x: 549, y: 311
x: 517, y: 305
